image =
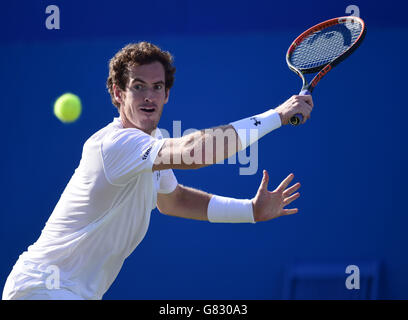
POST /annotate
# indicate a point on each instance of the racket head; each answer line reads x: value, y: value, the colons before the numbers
x: 323, y: 46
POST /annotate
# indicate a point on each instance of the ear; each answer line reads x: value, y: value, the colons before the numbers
x: 167, y: 96
x: 117, y: 94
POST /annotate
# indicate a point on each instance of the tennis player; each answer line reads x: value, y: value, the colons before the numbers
x: 126, y: 171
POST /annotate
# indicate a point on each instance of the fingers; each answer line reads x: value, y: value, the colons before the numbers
x: 295, y: 104
x: 287, y: 194
x: 265, y: 181
x: 290, y: 199
x: 289, y: 211
x: 284, y: 184
x: 307, y: 98
x: 306, y: 110
x: 304, y: 105
x: 291, y: 190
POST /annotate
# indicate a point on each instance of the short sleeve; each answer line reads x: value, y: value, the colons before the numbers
x: 127, y: 153
x: 168, y: 181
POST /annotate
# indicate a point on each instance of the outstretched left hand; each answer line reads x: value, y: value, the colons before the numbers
x: 269, y: 205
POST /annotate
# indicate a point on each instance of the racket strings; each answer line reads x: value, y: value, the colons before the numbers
x: 322, y: 47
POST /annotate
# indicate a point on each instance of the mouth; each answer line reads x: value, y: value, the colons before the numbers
x: 148, y: 109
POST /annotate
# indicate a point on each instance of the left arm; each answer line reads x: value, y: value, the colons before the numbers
x: 184, y: 202
x: 191, y: 203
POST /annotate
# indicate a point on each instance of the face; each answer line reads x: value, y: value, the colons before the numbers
x: 141, y: 104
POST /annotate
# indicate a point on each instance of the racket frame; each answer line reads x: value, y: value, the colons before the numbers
x: 325, y: 68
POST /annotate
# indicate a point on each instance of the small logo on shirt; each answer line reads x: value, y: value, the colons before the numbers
x: 146, y: 154
x: 256, y: 121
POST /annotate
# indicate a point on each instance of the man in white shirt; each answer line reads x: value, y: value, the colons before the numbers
x: 125, y: 171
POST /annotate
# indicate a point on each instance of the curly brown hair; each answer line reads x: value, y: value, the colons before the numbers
x: 137, y: 54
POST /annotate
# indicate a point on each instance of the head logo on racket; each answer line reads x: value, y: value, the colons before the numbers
x: 321, y: 48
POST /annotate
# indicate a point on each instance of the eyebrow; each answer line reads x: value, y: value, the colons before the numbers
x: 142, y: 81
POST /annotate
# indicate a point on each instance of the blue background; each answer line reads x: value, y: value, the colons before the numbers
x: 230, y: 56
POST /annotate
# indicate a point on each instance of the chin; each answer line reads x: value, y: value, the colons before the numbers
x: 148, y: 128
x: 145, y: 124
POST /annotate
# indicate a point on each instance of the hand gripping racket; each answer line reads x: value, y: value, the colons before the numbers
x: 321, y: 48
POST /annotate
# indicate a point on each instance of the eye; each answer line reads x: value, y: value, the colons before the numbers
x: 158, y: 87
x: 138, y: 87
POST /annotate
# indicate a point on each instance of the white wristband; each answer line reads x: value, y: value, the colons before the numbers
x: 253, y: 128
x: 223, y: 209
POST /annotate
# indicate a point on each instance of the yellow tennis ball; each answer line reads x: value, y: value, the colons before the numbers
x: 67, y: 107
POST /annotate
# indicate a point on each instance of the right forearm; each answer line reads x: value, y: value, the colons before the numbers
x: 209, y: 146
x: 206, y: 147
x: 199, y: 149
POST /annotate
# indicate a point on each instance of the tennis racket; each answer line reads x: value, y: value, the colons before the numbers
x: 321, y: 48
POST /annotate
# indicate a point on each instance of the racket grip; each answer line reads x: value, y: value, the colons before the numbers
x: 298, y: 117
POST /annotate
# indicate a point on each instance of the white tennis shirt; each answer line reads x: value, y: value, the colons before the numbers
x: 101, y: 217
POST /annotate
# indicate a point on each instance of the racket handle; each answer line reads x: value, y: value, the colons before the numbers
x: 298, y: 117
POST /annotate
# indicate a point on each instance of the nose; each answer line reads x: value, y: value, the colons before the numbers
x: 148, y: 96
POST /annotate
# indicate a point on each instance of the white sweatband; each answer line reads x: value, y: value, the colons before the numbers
x: 253, y: 128
x: 223, y: 209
